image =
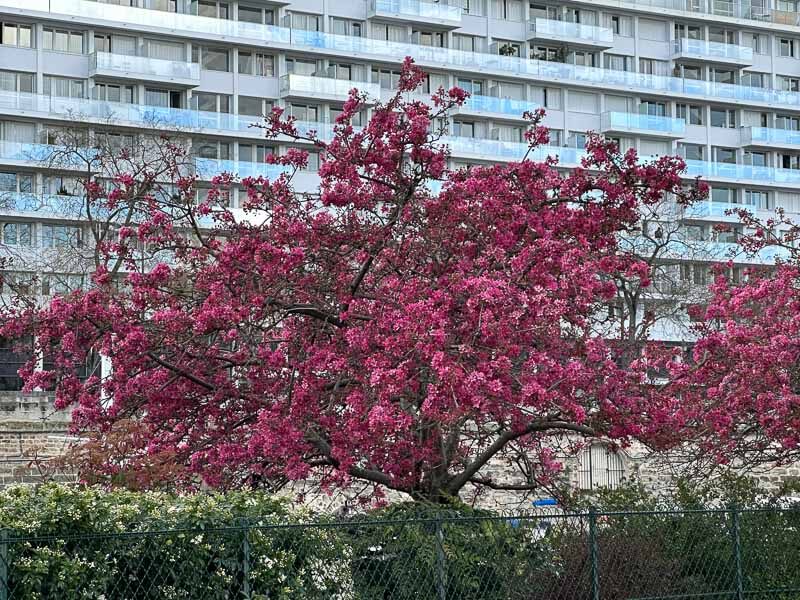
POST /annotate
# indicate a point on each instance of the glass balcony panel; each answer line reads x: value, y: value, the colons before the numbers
x: 575, y: 33
x: 667, y: 126
x: 208, y: 167
x: 705, y: 49
x: 314, y: 86
x: 107, y: 63
x: 415, y: 8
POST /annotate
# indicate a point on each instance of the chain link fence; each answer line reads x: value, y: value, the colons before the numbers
x: 720, y: 554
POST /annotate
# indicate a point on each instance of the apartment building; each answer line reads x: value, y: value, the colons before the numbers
x: 716, y: 81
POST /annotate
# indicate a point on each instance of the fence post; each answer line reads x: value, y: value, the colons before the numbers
x: 441, y: 573
x: 737, y: 551
x: 245, y: 561
x: 4, y: 579
x: 595, y: 572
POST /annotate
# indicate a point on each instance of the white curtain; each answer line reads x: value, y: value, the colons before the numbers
x: 165, y: 50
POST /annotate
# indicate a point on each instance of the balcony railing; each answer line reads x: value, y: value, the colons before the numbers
x: 315, y: 86
x: 765, y: 136
x: 716, y: 51
x: 645, y: 124
x: 142, y: 67
x: 447, y: 58
x: 574, y: 33
x: 206, y: 168
x: 438, y: 11
x: 40, y: 203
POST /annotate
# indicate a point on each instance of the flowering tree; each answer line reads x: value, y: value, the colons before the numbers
x: 739, y: 387
x: 376, y: 330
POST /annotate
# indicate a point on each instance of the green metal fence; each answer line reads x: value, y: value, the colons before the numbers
x: 721, y: 554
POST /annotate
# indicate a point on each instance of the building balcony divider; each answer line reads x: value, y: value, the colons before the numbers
x: 123, y: 66
x: 642, y: 124
x: 708, y: 51
x: 326, y: 88
x: 567, y: 32
x: 447, y: 58
x: 431, y: 13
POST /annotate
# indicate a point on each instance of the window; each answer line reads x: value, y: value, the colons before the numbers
x: 210, y: 8
x: 61, y: 283
x: 691, y: 32
x: 387, y: 79
x: 211, y: 59
x: 757, y: 80
x: 691, y: 113
x: 723, y: 117
x: 790, y: 161
x: 301, y: 67
x: 654, y: 109
x: 618, y: 62
x: 468, y: 129
x: 547, y: 97
x: 17, y: 234
x: 389, y: 33
x: 303, y: 112
x: 59, y: 236
x: 435, y: 39
x: 691, y: 151
x: 653, y: 30
x: 62, y: 40
x: 254, y: 152
x: 621, y: 25
x: 211, y: 102
x: 651, y: 66
x: 256, y: 14
x: 305, y: 21
x: 759, y: 42
x: 721, y: 36
x: 113, y: 92
x: 256, y: 63
x: 724, y: 155
x: 581, y: 58
x: 600, y: 467
x: 14, y: 354
x: 510, y: 10
x: 756, y: 159
x: 12, y: 34
x: 758, y: 199
x: 788, y: 84
x: 469, y: 43
x: 16, y: 182
x: 689, y: 72
x: 723, y: 76
x: 432, y: 82
x: 347, y: 27
x: 583, y: 102
x: 471, y: 7
x: 789, y: 48
x: 212, y: 149
x: 16, y: 82
x: 695, y: 273
x: 164, y: 50
x: 313, y: 162
x: 118, y: 44
x: 787, y: 122
x: 547, y: 53
x: 254, y: 106
x: 114, y: 141
x: 63, y: 87
x: 164, y: 98
x: 473, y: 86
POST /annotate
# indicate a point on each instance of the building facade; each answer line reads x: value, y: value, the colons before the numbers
x: 716, y: 81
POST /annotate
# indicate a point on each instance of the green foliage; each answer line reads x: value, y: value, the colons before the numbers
x: 190, y: 556
x: 416, y: 551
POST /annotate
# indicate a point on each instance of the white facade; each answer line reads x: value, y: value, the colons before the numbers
x: 715, y: 80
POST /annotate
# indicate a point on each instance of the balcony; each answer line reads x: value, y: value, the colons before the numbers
x: 764, y: 137
x: 498, y: 108
x: 643, y: 125
x: 729, y: 172
x: 207, y: 168
x: 436, y: 14
x: 142, y: 68
x: 712, y: 52
x: 325, y: 88
x: 575, y: 35
x: 41, y: 204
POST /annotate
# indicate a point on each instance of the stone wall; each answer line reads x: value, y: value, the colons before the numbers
x: 31, y: 434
